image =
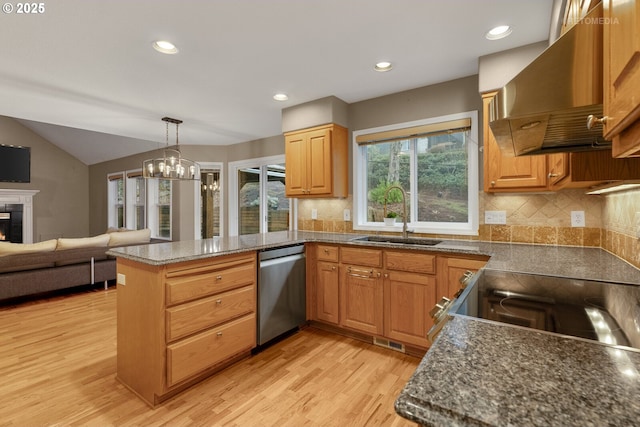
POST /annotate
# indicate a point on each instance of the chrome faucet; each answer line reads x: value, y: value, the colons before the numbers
x: 405, y: 231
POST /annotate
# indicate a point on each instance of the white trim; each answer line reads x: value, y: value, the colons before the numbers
x: 24, y: 198
x: 130, y: 200
x: 360, y: 191
x: 197, y: 220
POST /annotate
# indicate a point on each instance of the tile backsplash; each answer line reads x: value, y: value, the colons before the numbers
x: 538, y: 218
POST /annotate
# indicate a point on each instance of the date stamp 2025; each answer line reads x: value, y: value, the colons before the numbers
x: 24, y: 8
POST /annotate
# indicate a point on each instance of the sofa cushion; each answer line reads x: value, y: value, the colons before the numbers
x: 7, y: 248
x: 101, y: 240
x: 123, y: 238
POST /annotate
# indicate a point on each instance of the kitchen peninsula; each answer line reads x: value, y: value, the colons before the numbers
x: 167, y: 374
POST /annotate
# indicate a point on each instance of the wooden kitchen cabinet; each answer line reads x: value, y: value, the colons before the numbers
x: 324, y: 288
x: 316, y: 160
x: 327, y: 292
x: 451, y: 270
x: 552, y: 171
x: 361, y: 293
x: 509, y: 174
x: 621, y: 37
x: 180, y: 323
x: 410, y: 293
x: 384, y: 293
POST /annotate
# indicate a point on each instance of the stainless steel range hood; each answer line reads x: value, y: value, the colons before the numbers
x: 544, y: 109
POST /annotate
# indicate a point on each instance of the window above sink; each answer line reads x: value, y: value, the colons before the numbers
x: 434, y: 160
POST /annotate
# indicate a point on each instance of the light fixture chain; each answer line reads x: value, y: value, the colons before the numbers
x: 166, y: 137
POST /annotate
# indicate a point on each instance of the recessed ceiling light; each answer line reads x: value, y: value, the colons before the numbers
x: 383, y: 66
x: 280, y: 97
x: 498, y: 32
x: 164, y: 46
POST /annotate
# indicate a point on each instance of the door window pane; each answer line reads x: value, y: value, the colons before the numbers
x: 277, y: 201
x: 249, y: 200
x: 210, y: 202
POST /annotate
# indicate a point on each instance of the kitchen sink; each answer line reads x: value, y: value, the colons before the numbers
x: 401, y: 240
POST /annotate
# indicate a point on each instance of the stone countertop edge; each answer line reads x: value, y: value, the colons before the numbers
x: 474, y: 375
x: 584, y: 263
x: 188, y: 250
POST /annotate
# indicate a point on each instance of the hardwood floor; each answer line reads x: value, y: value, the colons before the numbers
x: 58, y: 365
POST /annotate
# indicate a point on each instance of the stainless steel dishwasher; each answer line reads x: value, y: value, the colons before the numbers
x: 281, y: 292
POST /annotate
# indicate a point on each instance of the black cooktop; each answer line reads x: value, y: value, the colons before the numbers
x: 605, y: 312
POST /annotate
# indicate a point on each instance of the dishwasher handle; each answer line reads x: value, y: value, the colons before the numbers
x: 267, y: 254
x: 281, y: 260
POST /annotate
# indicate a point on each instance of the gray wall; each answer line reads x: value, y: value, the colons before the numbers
x: 496, y: 70
x: 61, y: 208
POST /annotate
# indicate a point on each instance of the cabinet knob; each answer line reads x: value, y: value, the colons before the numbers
x: 219, y: 334
x: 553, y: 175
x: 593, y: 120
x: 218, y: 302
x: 218, y: 277
x: 386, y: 275
x: 493, y: 183
x: 333, y: 267
x: 326, y: 251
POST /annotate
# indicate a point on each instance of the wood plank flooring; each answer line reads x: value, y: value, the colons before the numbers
x: 58, y: 366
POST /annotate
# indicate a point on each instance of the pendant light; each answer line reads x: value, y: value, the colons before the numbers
x: 172, y: 165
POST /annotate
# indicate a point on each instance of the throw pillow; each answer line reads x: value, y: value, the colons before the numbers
x: 130, y: 237
x: 7, y: 248
x: 101, y: 240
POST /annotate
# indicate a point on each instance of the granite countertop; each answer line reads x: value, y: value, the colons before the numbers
x: 563, y: 261
x: 481, y: 373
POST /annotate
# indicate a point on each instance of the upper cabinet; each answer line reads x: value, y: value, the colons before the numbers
x: 622, y: 76
x: 316, y: 160
x: 513, y: 174
x: 551, y: 172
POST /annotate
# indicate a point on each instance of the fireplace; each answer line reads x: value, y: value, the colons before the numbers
x: 11, y: 223
x: 16, y: 215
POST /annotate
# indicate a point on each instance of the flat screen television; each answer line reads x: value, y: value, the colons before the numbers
x: 15, y: 163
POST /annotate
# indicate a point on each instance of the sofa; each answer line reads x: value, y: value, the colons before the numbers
x: 28, y: 269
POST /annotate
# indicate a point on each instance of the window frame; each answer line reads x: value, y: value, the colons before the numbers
x: 153, y: 189
x: 470, y: 227
x: 112, y: 205
x: 197, y: 219
x: 130, y: 199
x: 234, y: 168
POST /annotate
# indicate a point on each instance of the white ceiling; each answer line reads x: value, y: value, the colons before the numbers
x: 83, y: 74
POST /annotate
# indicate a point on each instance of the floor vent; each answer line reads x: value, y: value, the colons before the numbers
x: 389, y: 344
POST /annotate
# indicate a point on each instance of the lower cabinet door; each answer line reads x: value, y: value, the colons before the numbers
x: 327, y: 292
x: 410, y: 297
x: 361, y: 300
x: 191, y: 356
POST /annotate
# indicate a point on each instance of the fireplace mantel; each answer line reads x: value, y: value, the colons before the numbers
x: 24, y: 198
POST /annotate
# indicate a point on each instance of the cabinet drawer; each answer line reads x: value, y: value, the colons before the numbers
x: 193, y: 355
x: 361, y: 256
x: 327, y: 253
x: 191, y: 317
x: 407, y: 261
x: 186, y: 287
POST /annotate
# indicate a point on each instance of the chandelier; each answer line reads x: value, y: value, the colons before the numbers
x: 172, y: 165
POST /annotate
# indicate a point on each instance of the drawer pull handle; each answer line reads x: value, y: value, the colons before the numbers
x: 218, y: 277
x: 219, y: 334
x: 326, y: 251
x: 218, y: 302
